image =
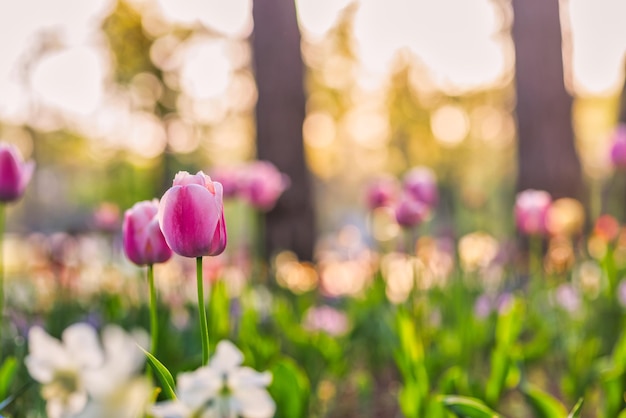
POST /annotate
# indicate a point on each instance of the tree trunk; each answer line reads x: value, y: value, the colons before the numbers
x: 546, y: 153
x: 280, y: 113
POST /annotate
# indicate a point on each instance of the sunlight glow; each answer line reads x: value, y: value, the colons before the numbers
x: 71, y: 80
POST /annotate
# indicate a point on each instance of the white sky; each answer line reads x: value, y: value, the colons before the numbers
x: 456, y: 39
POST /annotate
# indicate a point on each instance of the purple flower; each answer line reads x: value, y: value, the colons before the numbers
x: 618, y: 147
x: 14, y: 173
x: 531, y: 211
x: 381, y: 192
x: 621, y: 293
x: 262, y: 184
x: 191, y: 216
x: 144, y: 243
x: 327, y: 319
x: 410, y: 212
x: 421, y: 183
x: 568, y: 298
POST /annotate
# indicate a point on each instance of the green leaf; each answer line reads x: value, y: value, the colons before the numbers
x: 544, y: 404
x: 7, y: 373
x: 622, y: 414
x: 6, y: 402
x: 164, y: 375
x: 576, y: 410
x: 466, y: 407
x: 290, y: 389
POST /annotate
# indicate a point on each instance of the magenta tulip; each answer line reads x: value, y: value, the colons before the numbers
x: 531, y: 211
x: 410, y: 212
x: 421, y: 183
x: 144, y: 243
x: 618, y: 147
x: 14, y: 173
x: 262, y: 184
x: 381, y: 192
x: 191, y: 215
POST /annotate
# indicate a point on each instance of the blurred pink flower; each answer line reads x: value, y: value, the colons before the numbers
x: 568, y: 298
x: 531, y: 211
x: 143, y: 240
x: 381, y: 192
x: 229, y: 177
x: 106, y: 217
x: 262, y: 184
x: 410, y: 212
x: 421, y: 183
x: 326, y: 319
x: 191, y: 216
x: 14, y: 173
x: 618, y: 147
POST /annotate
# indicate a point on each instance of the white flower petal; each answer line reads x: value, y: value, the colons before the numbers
x: 83, y: 346
x: 197, y: 387
x: 46, y: 355
x: 227, y: 357
x: 245, y: 377
x: 171, y: 409
x: 254, y: 403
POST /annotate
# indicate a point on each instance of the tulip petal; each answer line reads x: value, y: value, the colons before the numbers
x: 188, y: 217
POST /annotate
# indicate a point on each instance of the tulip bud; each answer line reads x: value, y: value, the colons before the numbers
x: 191, y: 216
x: 421, y: 183
x: 144, y: 243
x: 381, y: 192
x: 14, y: 173
x: 262, y: 184
x: 410, y: 212
x: 531, y: 211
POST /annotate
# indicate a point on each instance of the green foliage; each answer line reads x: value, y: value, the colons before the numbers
x: 163, y: 374
x: 290, y: 389
x: 129, y: 43
x: 465, y: 407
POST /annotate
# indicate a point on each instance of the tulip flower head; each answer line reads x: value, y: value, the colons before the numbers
x: 191, y: 216
x: 421, y: 183
x: 381, y: 192
x: 262, y: 184
x: 144, y: 243
x: 14, y: 173
x: 618, y: 148
x: 410, y: 212
x: 531, y: 211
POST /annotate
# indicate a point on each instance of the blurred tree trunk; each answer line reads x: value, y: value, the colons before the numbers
x: 546, y: 153
x: 280, y: 113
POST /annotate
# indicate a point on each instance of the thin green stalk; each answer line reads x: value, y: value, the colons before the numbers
x: 154, y: 318
x: 204, y: 325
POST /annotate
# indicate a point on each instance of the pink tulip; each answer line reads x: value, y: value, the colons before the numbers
x: 14, y: 173
x: 229, y: 177
x: 262, y: 184
x: 421, y: 183
x: 144, y: 243
x: 381, y: 192
x: 618, y: 147
x: 410, y: 212
x: 531, y: 211
x: 191, y: 215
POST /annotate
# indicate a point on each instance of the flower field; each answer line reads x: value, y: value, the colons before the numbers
x: 164, y: 316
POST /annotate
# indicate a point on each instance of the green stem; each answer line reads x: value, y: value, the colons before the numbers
x: 154, y: 318
x: 204, y: 325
